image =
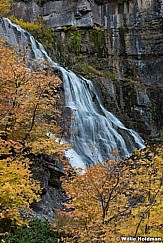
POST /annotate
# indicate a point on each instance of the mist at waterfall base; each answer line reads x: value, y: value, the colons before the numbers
x: 94, y: 132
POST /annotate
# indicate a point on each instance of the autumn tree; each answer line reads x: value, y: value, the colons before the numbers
x: 28, y: 124
x: 116, y: 198
x: 146, y: 193
x: 4, y: 7
x: 98, y: 197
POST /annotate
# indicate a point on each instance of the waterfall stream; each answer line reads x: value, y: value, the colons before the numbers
x: 94, y: 132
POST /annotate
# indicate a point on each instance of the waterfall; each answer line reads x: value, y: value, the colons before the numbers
x: 94, y: 132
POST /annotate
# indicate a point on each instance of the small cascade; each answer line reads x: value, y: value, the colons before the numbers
x: 95, y: 132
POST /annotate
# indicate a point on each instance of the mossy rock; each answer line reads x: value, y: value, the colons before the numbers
x: 126, y: 90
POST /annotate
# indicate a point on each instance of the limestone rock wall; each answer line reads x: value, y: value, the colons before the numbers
x: 136, y: 34
x: 61, y: 13
x: 135, y: 48
x: 119, y: 46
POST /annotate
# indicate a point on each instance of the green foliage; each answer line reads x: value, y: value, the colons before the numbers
x: 74, y: 40
x: 97, y: 40
x: 37, y: 232
x: 91, y: 72
x: 41, y: 32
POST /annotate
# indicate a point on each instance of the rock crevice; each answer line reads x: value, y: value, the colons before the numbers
x: 125, y: 39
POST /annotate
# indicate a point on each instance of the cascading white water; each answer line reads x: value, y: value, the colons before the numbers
x: 95, y: 132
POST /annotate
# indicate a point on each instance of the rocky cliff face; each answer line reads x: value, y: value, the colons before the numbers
x: 135, y: 48
x: 57, y: 14
x: 48, y: 171
x: 119, y: 46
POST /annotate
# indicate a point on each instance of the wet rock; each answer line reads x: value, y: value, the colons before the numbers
x: 131, y: 47
x: 48, y: 172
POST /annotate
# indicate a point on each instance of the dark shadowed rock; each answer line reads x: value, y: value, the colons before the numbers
x: 48, y: 171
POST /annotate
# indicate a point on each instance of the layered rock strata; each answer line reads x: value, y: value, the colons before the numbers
x: 125, y: 39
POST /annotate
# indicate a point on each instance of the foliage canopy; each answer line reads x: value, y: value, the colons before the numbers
x: 4, y: 7
x: 27, y: 114
x: 116, y: 198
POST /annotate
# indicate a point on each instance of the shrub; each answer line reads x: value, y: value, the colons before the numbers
x: 37, y: 232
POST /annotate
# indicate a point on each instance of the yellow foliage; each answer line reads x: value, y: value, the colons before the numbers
x: 99, y: 202
x: 30, y: 26
x: 4, y: 7
x: 27, y: 114
x: 28, y: 103
x: 147, y: 172
x: 116, y: 199
x: 17, y: 188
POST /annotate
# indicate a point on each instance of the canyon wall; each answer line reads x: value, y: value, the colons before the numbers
x: 117, y: 45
